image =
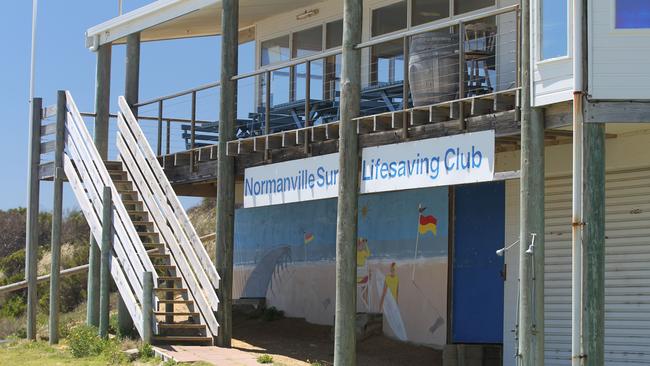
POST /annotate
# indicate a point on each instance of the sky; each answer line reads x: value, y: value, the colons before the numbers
x: 63, y: 62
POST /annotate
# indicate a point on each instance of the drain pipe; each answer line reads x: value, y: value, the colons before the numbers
x: 577, y: 214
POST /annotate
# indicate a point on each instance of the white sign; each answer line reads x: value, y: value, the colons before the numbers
x: 458, y: 159
x: 292, y: 181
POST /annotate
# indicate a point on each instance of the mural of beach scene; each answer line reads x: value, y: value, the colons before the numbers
x: 286, y: 253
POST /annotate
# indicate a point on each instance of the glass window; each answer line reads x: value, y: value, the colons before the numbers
x: 424, y: 11
x: 632, y: 14
x: 334, y: 34
x: 307, y: 42
x: 554, y: 32
x: 465, y: 6
x: 275, y: 50
x: 389, y: 18
x: 387, y: 62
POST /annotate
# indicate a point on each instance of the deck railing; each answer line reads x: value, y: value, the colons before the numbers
x: 461, y: 59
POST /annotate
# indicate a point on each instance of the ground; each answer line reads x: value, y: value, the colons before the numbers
x: 294, y: 342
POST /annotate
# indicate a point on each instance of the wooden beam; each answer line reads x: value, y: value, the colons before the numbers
x: 32, y: 231
x: 617, y: 112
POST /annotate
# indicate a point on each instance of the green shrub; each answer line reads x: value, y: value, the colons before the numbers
x: 84, y: 341
x: 146, y: 351
x: 112, y: 352
x: 265, y: 359
x: 14, y: 307
x: 271, y: 314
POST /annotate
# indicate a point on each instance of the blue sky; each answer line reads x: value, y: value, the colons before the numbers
x: 63, y: 62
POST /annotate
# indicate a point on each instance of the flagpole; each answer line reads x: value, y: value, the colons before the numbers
x: 417, y: 242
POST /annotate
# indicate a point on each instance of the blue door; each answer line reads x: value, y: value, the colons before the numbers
x: 477, y: 285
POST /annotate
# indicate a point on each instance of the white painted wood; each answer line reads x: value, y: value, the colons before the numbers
x: 162, y: 220
x: 94, y: 188
x: 166, y: 187
x: 94, y: 223
x: 93, y: 154
x: 133, y: 268
x: 618, y: 58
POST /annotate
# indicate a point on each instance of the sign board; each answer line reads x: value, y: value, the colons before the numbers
x: 458, y: 159
x: 292, y: 181
x: 443, y: 161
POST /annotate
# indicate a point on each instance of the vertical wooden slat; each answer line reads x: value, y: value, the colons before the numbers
x: 462, y: 68
x: 307, y: 103
x: 405, y: 89
x: 147, y: 307
x: 105, y: 274
x: 160, y: 119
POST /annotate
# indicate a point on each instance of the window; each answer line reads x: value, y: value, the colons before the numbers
x: 465, y: 6
x: 632, y: 14
x: 554, y: 29
x: 307, y: 42
x: 389, y: 18
x: 425, y: 11
x: 275, y: 50
x: 334, y: 34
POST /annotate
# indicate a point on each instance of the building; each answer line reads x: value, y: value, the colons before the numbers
x: 432, y: 73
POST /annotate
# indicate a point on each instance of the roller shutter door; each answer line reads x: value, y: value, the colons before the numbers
x: 627, y: 266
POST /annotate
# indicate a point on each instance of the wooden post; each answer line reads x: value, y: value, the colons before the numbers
x: 105, y: 277
x: 535, y: 222
x: 593, y: 240
x: 226, y: 169
x: 102, y: 109
x: 307, y: 104
x: 346, y: 220
x: 32, y: 227
x: 102, y: 98
x: 57, y: 217
x: 193, y: 132
x: 131, y: 94
x: 531, y: 219
x: 405, y: 88
x: 147, y: 306
x: 462, y: 69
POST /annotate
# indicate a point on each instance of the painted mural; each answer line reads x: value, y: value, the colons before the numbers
x: 286, y: 253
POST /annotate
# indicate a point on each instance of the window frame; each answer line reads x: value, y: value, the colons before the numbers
x: 538, y: 38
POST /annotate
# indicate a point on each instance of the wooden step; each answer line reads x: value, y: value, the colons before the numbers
x: 147, y: 233
x: 158, y: 255
x: 180, y: 326
x: 182, y: 339
x: 169, y: 278
x: 176, y: 302
x: 171, y: 289
x: 142, y: 223
x: 176, y: 313
x: 113, y: 165
x: 153, y: 246
x: 131, y: 202
x: 164, y: 266
x: 137, y: 213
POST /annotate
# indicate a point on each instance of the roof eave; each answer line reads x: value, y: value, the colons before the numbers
x: 140, y: 19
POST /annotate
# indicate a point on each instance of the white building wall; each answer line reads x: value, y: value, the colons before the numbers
x: 618, y: 59
x: 626, y: 320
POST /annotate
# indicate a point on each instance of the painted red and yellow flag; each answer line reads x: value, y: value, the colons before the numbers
x: 309, y: 237
x: 428, y: 223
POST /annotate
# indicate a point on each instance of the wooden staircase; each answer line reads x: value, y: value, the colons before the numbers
x: 175, y: 316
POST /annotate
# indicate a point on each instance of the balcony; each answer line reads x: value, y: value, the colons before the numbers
x: 445, y: 78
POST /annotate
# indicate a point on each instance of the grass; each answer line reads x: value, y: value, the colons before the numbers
x: 26, y: 353
x: 265, y: 359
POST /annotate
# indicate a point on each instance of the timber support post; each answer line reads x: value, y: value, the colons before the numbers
x: 102, y: 103
x: 147, y: 306
x: 131, y: 94
x: 531, y: 220
x: 226, y: 169
x: 593, y: 239
x: 348, y: 190
x: 105, y: 273
x: 32, y: 228
x: 57, y: 217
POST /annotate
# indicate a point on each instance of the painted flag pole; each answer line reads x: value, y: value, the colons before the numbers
x: 417, y: 241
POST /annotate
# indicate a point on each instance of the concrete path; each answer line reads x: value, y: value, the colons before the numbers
x: 213, y: 355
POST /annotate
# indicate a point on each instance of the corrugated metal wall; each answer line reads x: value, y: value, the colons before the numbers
x: 627, y: 262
